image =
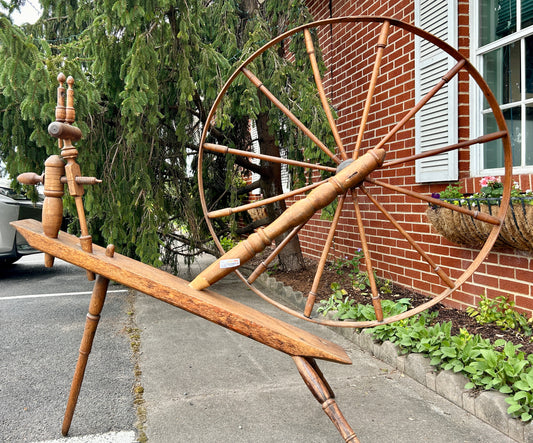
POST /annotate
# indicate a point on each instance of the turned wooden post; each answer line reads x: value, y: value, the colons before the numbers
x: 319, y: 387
x: 72, y: 169
x: 63, y: 130
x: 57, y: 174
x: 52, y: 216
x: 91, y: 323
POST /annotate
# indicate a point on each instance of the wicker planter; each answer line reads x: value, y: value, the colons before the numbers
x: 462, y: 229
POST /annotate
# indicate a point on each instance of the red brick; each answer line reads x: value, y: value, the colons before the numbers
x: 515, y: 261
x: 500, y: 271
x: 525, y: 302
x: 514, y: 286
x: 485, y: 280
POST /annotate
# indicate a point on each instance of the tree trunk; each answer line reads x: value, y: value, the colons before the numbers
x: 291, y: 257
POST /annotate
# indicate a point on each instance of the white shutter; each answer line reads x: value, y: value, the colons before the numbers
x: 256, y: 150
x: 436, y: 124
x: 285, y: 176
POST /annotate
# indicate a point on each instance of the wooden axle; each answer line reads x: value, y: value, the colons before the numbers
x: 351, y: 175
x: 64, y: 131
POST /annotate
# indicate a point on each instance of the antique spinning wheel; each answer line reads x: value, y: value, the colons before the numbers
x: 376, y: 177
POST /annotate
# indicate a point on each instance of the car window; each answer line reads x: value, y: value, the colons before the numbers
x: 12, y: 194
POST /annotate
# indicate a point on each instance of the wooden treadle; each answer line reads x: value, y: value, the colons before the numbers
x: 176, y: 291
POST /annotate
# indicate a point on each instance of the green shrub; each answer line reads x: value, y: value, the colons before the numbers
x: 500, y: 366
x: 500, y: 312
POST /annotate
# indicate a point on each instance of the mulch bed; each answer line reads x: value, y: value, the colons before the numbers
x: 302, y: 281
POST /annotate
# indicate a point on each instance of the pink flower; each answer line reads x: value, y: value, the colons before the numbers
x: 490, y: 180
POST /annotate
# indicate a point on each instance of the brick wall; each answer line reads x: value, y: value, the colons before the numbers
x: 505, y: 272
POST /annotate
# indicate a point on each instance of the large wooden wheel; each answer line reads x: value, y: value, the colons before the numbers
x: 375, y: 176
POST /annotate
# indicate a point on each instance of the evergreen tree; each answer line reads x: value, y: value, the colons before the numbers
x: 146, y: 75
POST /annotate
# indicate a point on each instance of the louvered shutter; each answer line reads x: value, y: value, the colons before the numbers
x: 436, y: 124
x: 285, y: 176
x: 256, y: 150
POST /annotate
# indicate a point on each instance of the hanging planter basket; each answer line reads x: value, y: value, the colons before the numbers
x: 464, y: 230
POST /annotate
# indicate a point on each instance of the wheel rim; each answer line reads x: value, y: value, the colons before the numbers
x: 366, y: 190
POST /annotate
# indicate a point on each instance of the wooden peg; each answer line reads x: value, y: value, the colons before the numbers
x: 30, y: 178
x: 64, y: 130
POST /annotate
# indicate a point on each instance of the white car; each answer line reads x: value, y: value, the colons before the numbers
x: 14, y: 207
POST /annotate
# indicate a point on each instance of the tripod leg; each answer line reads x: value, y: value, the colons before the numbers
x: 321, y: 390
x: 91, y: 323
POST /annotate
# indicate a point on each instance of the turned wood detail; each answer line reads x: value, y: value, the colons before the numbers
x: 350, y: 174
x: 319, y: 387
x: 64, y: 170
x: 91, y: 323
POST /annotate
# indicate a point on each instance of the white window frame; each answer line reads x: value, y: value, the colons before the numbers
x: 476, y: 97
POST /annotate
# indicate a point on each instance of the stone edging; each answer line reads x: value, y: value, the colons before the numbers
x: 488, y: 406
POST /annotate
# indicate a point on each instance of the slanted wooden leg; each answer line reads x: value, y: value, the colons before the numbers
x: 93, y: 317
x: 321, y: 390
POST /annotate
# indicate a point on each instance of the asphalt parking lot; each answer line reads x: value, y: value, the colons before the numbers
x: 42, y: 316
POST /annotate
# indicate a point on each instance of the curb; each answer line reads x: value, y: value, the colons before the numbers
x: 488, y: 406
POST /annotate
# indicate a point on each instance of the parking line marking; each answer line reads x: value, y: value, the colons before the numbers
x: 57, y: 294
x: 111, y: 437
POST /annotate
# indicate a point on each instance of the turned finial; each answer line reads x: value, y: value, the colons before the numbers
x: 70, y: 111
x: 60, y: 108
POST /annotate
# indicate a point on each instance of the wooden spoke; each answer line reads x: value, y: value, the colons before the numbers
x: 221, y: 149
x: 323, y: 99
x: 264, y: 264
x: 435, y: 201
x: 439, y: 271
x: 445, y: 79
x: 259, y: 85
x: 382, y: 43
x: 483, y: 139
x: 228, y: 211
x: 311, y: 297
x: 368, y: 262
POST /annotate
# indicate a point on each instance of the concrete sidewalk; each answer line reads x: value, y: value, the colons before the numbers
x: 204, y: 383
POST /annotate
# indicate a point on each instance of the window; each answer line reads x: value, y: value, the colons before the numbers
x: 503, y: 52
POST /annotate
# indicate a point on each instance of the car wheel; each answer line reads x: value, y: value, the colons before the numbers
x: 7, y: 261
